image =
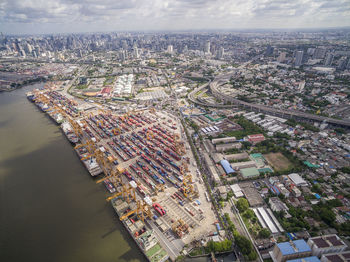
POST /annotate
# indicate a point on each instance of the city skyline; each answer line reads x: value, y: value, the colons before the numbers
x: 66, y: 16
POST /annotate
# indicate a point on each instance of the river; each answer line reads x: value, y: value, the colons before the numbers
x: 50, y: 207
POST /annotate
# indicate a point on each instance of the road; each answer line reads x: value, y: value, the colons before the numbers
x: 223, y: 78
x: 171, y: 249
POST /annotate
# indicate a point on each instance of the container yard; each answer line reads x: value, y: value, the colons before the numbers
x: 145, y: 162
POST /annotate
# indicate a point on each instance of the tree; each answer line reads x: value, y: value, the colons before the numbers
x: 264, y: 233
x: 242, y: 204
x: 345, y: 169
x: 327, y: 215
x: 249, y: 214
x: 245, y: 246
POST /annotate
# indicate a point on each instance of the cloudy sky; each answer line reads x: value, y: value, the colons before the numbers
x: 60, y: 16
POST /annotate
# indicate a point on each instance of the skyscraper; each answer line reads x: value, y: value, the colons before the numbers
x: 319, y: 53
x: 329, y: 59
x: 207, y: 47
x: 282, y: 57
x: 299, y: 58
x: 170, y: 49
x: 269, y: 50
x: 221, y: 53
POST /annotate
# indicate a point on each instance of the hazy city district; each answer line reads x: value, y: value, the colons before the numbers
x: 206, y: 143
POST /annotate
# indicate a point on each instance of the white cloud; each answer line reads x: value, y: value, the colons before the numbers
x: 102, y: 15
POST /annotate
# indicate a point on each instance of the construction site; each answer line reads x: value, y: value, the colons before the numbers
x: 144, y: 160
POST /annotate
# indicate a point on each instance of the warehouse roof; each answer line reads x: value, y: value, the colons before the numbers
x: 249, y: 172
x: 227, y: 167
x: 305, y: 259
x: 297, y: 179
x: 294, y: 247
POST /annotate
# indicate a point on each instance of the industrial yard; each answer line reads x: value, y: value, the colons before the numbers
x: 144, y: 160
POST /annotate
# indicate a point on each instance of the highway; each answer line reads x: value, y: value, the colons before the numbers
x: 284, y: 113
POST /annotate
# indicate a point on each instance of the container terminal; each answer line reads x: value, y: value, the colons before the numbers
x: 144, y: 160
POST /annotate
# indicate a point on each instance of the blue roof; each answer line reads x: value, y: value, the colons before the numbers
x: 287, y: 249
x: 227, y: 167
x: 307, y: 259
x: 317, y: 196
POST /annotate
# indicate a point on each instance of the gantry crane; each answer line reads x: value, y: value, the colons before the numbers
x: 179, y: 227
x: 142, y: 211
x: 159, y: 187
x: 188, y: 188
x: 126, y: 193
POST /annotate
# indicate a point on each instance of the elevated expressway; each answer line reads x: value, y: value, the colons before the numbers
x: 284, y: 113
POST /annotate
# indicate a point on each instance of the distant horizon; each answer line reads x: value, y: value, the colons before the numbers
x: 218, y: 30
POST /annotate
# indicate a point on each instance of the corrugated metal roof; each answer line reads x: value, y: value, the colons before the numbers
x: 227, y: 167
x: 297, y: 246
x: 307, y: 259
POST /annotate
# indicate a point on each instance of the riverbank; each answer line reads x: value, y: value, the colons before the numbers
x: 51, y: 208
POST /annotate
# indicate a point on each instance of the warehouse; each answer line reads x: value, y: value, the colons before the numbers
x: 297, y: 179
x: 268, y: 220
x: 227, y: 167
x: 228, y: 146
x: 290, y: 250
x: 223, y: 140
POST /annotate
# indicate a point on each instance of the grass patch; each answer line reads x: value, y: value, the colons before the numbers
x: 278, y: 161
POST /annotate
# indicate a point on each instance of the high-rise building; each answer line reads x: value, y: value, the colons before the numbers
x: 282, y: 57
x: 269, y: 50
x: 221, y: 53
x: 310, y: 51
x: 299, y: 58
x: 170, y: 49
x: 207, y: 47
x: 348, y: 65
x: 342, y: 63
x: 329, y: 59
x: 136, y: 52
x: 319, y: 53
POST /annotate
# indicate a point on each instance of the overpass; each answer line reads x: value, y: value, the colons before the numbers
x: 284, y: 113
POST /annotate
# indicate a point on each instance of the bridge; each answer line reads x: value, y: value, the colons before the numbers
x: 284, y: 113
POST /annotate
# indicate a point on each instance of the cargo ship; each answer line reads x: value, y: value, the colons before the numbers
x: 30, y: 96
x: 68, y: 131
x: 144, y: 236
x: 57, y: 117
x: 89, y: 161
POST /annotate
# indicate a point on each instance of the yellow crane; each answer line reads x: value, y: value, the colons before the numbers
x: 123, y: 193
x: 188, y: 187
x: 142, y: 211
x: 159, y: 188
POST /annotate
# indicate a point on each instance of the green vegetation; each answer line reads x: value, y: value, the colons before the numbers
x: 307, y: 126
x: 197, y: 251
x: 249, y: 128
x: 231, y: 226
x: 340, y: 130
x: 242, y: 204
x: 109, y: 80
x: 264, y: 233
x: 296, y: 222
x: 82, y: 86
x: 345, y: 169
x: 193, y: 125
x: 270, y: 146
x: 245, y: 246
x: 223, y: 246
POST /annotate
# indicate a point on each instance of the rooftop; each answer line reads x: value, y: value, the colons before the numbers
x: 250, y: 172
x: 305, y: 259
x: 293, y: 247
